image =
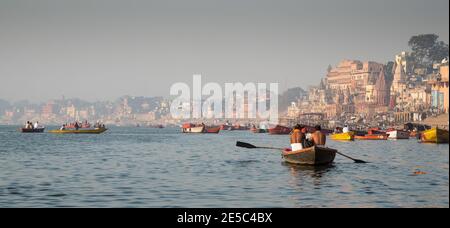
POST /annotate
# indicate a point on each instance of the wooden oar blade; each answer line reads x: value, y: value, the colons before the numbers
x: 245, y: 145
x: 359, y: 161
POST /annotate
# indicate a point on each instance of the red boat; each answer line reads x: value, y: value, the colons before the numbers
x: 226, y: 127
x: 240, y: 128
x: 192, y: 128
x: 280, y: 130
x: 373, y: 134
x: 212, y: 130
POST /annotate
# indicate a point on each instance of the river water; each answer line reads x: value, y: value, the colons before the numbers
x: 142, y: 167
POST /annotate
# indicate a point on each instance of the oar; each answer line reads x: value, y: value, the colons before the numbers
x: 355, y: 160
x: 250, y: 146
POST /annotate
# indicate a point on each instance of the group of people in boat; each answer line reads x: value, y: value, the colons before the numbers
x: 77, y: 125
x: 339, y: 130
x: 302, y: 139
x: 30, y: 125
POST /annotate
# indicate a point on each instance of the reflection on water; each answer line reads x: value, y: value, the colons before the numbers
x: 140, y: 167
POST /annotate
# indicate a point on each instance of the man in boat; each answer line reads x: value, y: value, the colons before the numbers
x: 36, y: 125
x: 345, y: 129
x: 308, y: 142
x: 318, y: 137
x: 77, y: 126
x: 297, y: 138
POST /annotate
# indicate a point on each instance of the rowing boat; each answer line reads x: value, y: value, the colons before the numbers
x: 199, y: 129
x: 310, y: 156
x: 34, y: 130
x: 349, y: 136
x: 435, y: 135
x: 280, y: 130
x: 212, y: 130
x: 79, y: 131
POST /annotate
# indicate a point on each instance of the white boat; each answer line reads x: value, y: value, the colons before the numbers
x: 200, y: 129
x: 398, y: 134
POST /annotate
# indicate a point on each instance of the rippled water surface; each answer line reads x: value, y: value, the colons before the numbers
x: 141, y: 167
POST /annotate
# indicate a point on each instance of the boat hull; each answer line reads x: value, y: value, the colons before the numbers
x: 258, y: 130
x: 372, y: 137
x: 212, y: 130
x: 435, y: 135
x: 280, y: 130
x: 194, y: 130
x: 397, y: 134
x: 314, y: 156
x: 79, y: 131
x: 349, y: 136
x: 35, y: 130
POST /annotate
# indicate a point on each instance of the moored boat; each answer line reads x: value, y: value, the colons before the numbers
x: 159, y: 126
x: 240, y: 128
x: 79, y: 131
x: 349, y: 136
x: 315, y: 156
x: 193, y: 129
x: 226, y: 127
x: 33, y: 130
x: 373, y: 134
x: 258, y: 130
x: 280, y: 130
x: 372, y: 137
x: 398, y: 134
x: 435, y: 135
x: 212, y: 130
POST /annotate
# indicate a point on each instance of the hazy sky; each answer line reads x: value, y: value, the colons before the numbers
x: 99, y: 50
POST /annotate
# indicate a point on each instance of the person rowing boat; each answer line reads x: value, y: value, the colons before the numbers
x: 297, y: 138
x: 318, y: 137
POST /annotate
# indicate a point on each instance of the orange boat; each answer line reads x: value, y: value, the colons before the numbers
x: 373, y: 134
x: 212, y: 130
x: 372, y: 137
x: 192, y: 128
x: 280, y: 130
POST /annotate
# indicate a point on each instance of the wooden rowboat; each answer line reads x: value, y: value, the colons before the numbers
x: 212, y: 130
x: 435, y: 135
x: 280, y: 130
x: 34, y: 130
x: 349, y: 136
x: 315, y: 156
x: 79, y: 131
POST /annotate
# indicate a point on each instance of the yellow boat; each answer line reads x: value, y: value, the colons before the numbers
x: 79, y: 131
x: 435, y: 135
x: 349, y: 136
